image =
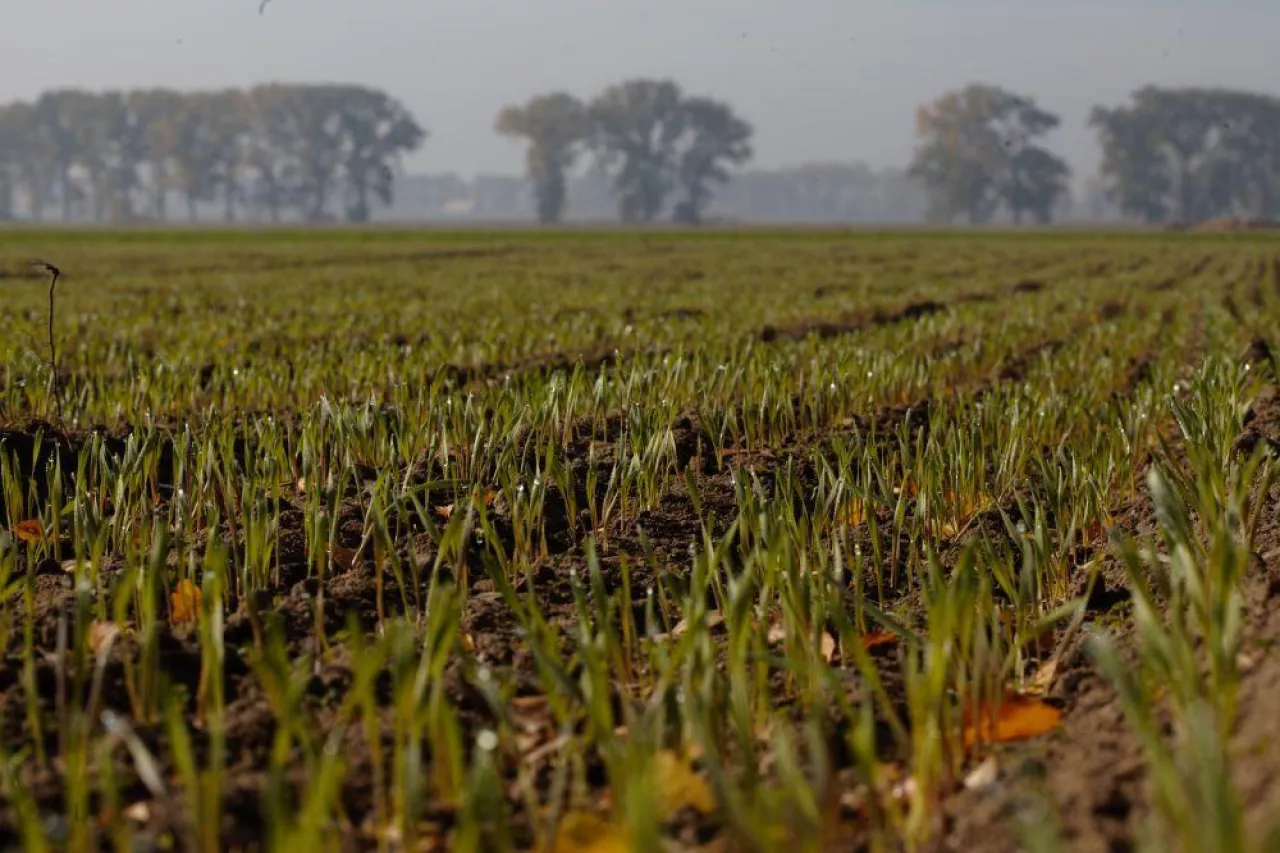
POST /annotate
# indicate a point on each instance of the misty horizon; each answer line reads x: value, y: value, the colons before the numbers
x: 839, y: 82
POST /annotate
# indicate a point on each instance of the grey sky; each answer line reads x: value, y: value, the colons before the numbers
x: 820, y: 79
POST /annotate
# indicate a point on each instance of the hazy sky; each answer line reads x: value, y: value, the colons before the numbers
x: 820, y: 79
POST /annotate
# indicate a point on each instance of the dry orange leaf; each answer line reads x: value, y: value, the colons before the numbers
x: 856, y: 512
x: 185, y: 603
x: 29, y: 531
x: 446, y: 511
x: 1019, y: 717
x: 1099, y: 526
x: 878, y: 640
x: 580, y: 832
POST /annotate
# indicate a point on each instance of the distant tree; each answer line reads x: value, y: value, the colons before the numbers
x: 979, y: 154
x: 714, y: 137
x: 555, y: 126
x: 1135, y: 178
x: 16, y: 150
x: 59, y: 118
x: 377, y: 130
x: 637, y: 126
x: 1191, y: 154
x: 315, y: 118
x: 272, y: 153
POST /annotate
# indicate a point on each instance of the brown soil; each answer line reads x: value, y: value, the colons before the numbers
x: 823, y: 328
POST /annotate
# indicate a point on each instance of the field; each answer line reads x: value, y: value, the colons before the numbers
x: 397, y: 540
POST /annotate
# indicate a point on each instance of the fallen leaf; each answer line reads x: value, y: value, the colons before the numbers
x: 29, y: 531
x: 714, y: 619
x: 828, y: 647
x: 984, y: 775
x: 879, y: 639
x: 528, y: 704
x: 580, y: 832
x: 185, y: 603
x: 445, y: 512
x: 908, y: 487
x: 139, y: 812
x: 100, y: 634
x: 1041, y: 682
x: 904, y: 790
x: 1099, y: 526
x: 1019, y: 717
x: 856, y: 801
x: 679, y: 786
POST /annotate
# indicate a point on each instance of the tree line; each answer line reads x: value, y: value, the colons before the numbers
x: 266, y: 152
x: 1170, y: 155
x: 313, y: 152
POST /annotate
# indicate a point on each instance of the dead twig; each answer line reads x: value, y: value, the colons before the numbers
x: 54, y: 275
